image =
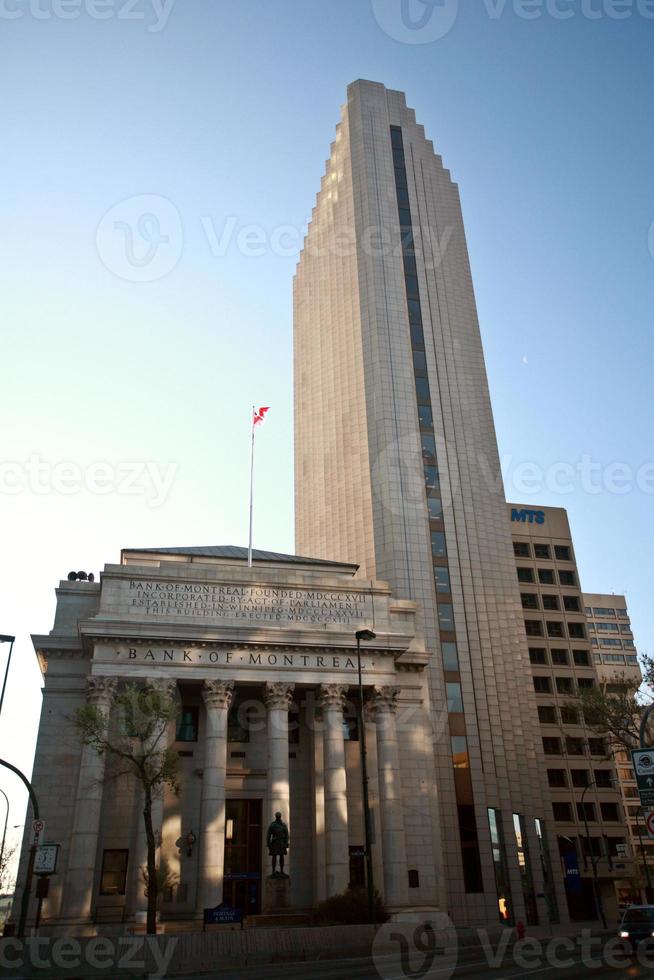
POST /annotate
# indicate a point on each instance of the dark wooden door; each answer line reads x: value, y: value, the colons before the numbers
x: 243, y: 832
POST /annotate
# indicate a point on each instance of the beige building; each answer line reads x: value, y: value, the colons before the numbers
x: 397, y: 469
x: 263, y: 661
x: 586, y: 802
x: 616, y: 659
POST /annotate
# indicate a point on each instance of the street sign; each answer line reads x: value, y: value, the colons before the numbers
x: 649, y: 822
x: 45, y: 860
x: 643, y: 760
x: 38, y: 829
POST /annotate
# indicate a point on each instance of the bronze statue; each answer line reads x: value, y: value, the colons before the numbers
x: 277, y: 841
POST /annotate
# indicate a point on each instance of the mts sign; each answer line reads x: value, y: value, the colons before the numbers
x: 528, y: 516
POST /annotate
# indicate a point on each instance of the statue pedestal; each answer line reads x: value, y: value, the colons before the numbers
x: 277, y: 895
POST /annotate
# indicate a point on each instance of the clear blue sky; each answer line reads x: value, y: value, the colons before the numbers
x: 227, y: 112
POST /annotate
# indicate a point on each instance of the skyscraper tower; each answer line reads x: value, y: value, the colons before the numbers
x: 397, y: 469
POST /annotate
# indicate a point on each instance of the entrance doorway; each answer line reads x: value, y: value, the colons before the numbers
x: 242, y: 879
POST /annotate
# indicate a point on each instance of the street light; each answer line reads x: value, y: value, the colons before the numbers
x: 10, y: 640
x: 370, y: 884
x: 4, y: 833
x: 593, y: 859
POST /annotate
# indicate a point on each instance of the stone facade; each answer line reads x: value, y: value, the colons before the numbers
x: 264, y: 663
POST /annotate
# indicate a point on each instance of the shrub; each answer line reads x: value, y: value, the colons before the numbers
x: 350, y: 908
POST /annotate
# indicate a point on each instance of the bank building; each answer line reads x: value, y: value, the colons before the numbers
x: 264, y: 662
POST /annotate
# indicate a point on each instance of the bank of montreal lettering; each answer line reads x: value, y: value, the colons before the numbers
x: 528, y: 516
x: 240, y: 658
x: 272, y: 605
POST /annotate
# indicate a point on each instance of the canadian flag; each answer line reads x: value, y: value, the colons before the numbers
x: 260, y: 414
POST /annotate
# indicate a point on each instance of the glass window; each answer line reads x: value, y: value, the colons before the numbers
x: 187, y: 730
x: 454, y: 698
x: 521, y: 549
x: 562, y: 552
x: 541, y: 550
x: 415, y: 313
x: 425, y: 417
x: 534, y: 627
x: 438, y: 547
x: 428, y: 444
x: 501, y: 871
x: 529, y: 600
x: 542, y: 685
x: 569, y: 715
x: 445, y: 616
x: 586, y: 811
x: 577, y: 631
x: 450, y: 656
x: 404, y: 215
x: 396, y: 137
x: 537, y: 655
x: 559, y: 657
x: 585, y: 683
x: 435, y: 507
x: 552, y: 746
x: 550, y: 602
x: 566, y: 578
x: 571, y: 603
x: 554, y: 628
x: 420, y: 362
x: 547, y: 714
x: 411, y: 283
x: 604, y: 611
x: 431, y: 478
x: 114, y: 872
x: 562, y: 812
x: 622, y: 613
x: 442, y: 579
x: 398, y: 157
x: 574, y: 746
x: 564, y: 685
x: 402, y: 196
x: 603, y: 778
x: 422, y: 390
x: 546, y: 576
x: 579, y: 777
x: 525, y: 575
x: 608, y: 628
x: 557, y: 777
x: 460, y: 759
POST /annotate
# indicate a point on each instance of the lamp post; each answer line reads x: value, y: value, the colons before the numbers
x: 4, y: 833
x: 593, y: 859
x: 370, y: 884
x: 10, y: 640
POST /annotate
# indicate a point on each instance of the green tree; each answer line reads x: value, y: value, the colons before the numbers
x: 615, y: 708
x: 134, y: 735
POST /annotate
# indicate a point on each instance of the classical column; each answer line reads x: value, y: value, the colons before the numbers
x: 278, y: 697
x: 80, y: 873
x: 383, y: 707
x: 169, y: 689
x: 217, y: 698
x: 332, y: 700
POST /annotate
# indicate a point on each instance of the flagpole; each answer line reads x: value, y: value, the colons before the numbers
x: 251, y: 490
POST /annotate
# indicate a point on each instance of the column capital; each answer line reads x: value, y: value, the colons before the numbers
x: 100, y: 690
x: 218, y: 693
x: 384, y: 700
x: 332, y: 695
x: 278, y: 694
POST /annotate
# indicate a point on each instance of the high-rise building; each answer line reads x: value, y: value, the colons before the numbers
x: 616, y: 661
x: 586, y: 802
x: 397, y: 469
